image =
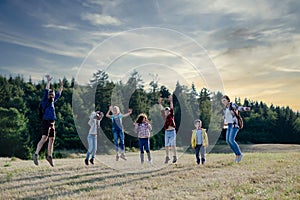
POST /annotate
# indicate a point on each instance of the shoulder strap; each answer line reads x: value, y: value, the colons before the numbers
x: 234, y: 113
x: 231, y: 108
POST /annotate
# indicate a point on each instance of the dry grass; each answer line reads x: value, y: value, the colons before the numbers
x: 258, y: 176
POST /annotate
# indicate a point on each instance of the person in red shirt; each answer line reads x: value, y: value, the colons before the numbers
x: 169, y: 126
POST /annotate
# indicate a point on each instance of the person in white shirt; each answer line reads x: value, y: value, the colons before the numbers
x: 94, y: 123
x: 233, y: 127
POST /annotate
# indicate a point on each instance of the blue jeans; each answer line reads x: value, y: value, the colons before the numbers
x: 118, y: 134
x: 230, y: 139
x: 92, y: 142
x: 144, y: 144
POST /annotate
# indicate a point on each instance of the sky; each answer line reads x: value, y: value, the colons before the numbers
x: 248, y: 49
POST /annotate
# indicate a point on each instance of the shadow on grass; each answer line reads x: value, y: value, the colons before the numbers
x: 96, y: 177
x: 128, y: 178
x: 30, y: 178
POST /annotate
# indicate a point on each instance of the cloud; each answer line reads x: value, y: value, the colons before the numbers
x: 51, y: 47
x: 252, y: 43
x: 59, y: 27
x: 97, y: 19
x: 268, y: 72
x: 290, y: 70
x: 105, y: 5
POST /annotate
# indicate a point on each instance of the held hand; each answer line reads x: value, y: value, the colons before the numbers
x: 110, y: 108
x: 170, y: 98
x: 130, y: 110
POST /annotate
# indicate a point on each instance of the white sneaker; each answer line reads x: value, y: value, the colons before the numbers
x: 238, y: 158
x: 123, y: 156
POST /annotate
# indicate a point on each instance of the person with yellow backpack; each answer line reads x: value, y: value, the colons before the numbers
x: 199, y: 141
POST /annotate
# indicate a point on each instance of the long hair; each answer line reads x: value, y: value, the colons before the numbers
x: 117, y: 109
x: 141, y: 117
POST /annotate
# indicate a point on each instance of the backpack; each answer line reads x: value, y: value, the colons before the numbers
x: 41, y: 110
x: 238, y: 117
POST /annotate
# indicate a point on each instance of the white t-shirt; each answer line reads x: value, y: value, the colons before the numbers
x: 95, y: 124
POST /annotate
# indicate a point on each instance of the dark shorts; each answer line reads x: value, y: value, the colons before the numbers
x: 48, y: 128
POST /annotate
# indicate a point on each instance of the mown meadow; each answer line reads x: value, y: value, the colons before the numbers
x: 262, y: 174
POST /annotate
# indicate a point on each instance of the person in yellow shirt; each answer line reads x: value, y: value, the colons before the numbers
x: 199, y: 141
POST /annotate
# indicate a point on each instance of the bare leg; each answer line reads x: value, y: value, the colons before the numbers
x: 50, y: 146
x: 41, y: 143
x: 174, y: 154
x: 167, y: 155
x: 167, y: 151
x: 50, y: 151
x: 174, y: 150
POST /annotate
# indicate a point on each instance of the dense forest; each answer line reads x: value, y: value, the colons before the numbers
x: 20, y: 124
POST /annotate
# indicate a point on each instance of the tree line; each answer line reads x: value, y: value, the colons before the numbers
x: 21, y: 130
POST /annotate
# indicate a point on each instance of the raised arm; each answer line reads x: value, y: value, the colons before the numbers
x: 61, y: 87
x: 149, y: 127
x: 49, y: 78
x: 240, y: 108
x: 162, y: 112
x: 101, y: 116
x: 109, y: 110
x: 171, y: 102
x: 136, y: 125
x: 128, y: 113
x: 159, y: 103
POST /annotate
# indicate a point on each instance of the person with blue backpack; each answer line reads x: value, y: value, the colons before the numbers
x: 234, y: 124
x: 48, y: 120
x: 117, y: 129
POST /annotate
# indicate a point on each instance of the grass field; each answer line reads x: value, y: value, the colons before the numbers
x: 269, y: 172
